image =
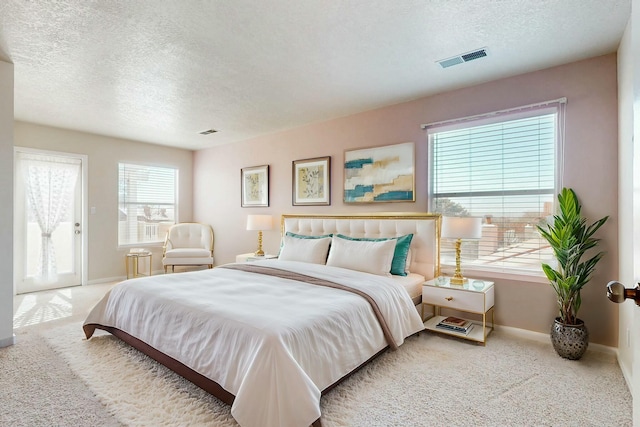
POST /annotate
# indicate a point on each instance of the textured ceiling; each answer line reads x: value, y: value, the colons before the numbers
x: 163, y: 71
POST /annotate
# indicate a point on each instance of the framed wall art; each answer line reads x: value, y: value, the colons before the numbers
x: 311, y: 184
x: 255, y: 186
x: 380, y: 174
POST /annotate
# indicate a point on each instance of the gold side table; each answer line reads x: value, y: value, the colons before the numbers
x: 133, y: 260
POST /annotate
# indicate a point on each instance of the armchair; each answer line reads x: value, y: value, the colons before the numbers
x: 187, y: 244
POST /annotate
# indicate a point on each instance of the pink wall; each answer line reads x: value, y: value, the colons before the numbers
x: 590, y: 167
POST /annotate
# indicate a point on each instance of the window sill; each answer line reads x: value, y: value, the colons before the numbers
x: 492, y: 274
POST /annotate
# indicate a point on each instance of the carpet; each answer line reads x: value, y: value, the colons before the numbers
x: 431, y: 380
x: 38, y: 388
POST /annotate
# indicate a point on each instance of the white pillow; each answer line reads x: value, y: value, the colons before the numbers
x: 313, y: 251
x: 361, y: 255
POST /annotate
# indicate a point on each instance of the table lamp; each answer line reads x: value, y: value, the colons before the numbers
x: 460, y: 228
x: 259, y: 223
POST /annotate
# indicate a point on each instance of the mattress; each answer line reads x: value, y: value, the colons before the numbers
x: 412, y: 283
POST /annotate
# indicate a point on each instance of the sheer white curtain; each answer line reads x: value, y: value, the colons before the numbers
x: 50, y: 183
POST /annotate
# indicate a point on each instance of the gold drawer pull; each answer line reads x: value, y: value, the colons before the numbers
x: 448, y: 298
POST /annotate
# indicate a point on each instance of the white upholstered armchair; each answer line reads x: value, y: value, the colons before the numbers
x: 187, y: 244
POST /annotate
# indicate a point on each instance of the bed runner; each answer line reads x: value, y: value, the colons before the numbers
x: 285, y: 274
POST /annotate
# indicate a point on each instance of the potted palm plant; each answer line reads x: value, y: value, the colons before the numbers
x: 570, y: 239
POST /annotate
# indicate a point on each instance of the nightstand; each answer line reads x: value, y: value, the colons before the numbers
x: 475, y: 296
x: 252, y: 257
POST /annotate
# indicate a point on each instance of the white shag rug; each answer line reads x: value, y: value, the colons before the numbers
x: 431, y: 380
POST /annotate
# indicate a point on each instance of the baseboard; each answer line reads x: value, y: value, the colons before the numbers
x: 627, y: 377
x: 8, y: 341
x: 544, y: 338
x: 153, y: 273
x: 106, y: 280
x: 118, y: 278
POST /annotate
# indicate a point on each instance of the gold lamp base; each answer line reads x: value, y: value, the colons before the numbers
x: 457, y: 278
x: 259, y: 252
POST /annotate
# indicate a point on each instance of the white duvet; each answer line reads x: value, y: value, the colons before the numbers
x: 273, y: 343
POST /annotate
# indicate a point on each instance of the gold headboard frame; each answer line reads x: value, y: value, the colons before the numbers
x: 425, y: 245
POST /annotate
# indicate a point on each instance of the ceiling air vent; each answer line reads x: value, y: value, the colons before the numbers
x: 208, y: 132
x: 465, y: 57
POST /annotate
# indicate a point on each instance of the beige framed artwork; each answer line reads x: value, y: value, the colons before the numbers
x: 255, y: 186
x: 311, y: 181
x: 380, y: 174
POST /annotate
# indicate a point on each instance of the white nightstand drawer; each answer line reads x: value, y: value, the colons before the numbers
x: 457, y: 299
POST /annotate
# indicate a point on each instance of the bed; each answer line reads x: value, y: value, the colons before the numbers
x: 270, y: 337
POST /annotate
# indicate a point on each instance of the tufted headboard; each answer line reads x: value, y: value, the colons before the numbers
x: 425, y: 227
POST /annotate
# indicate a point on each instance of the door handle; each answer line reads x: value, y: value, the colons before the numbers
x: 617, y: 293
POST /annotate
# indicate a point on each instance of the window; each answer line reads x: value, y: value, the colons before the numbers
x: 502, y: 167
x: 147, y: 203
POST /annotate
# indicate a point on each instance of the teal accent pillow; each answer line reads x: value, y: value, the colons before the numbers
x: 302, y: 236
x: 399, y: 255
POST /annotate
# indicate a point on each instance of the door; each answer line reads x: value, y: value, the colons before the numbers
x: 48, y: 220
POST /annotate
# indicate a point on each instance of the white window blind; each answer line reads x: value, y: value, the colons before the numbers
x: 503, y: 169
x: 147, y: 203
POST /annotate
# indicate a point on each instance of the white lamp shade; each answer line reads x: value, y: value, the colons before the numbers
x: 468, y: 227
x: 259, y: 222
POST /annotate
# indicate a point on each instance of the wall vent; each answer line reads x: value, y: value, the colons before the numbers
x: 208, y: 132
x: 465, y: 57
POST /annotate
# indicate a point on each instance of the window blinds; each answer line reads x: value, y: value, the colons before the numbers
x: 147, y: 202
x: 503, y: 169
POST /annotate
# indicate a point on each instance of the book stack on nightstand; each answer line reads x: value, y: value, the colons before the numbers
x: 455, y: 324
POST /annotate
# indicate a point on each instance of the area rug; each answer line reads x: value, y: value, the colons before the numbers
x: 431, y: 380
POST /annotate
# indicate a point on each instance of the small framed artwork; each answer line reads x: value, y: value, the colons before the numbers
x: 255, y: 186
x: 311, y: 183
x: 380, y: 174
